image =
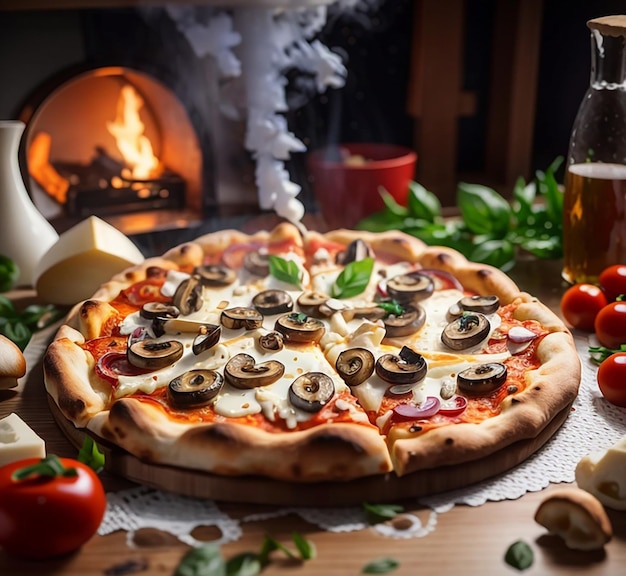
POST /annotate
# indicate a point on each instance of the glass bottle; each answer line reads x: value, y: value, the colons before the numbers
x: 594, y: 210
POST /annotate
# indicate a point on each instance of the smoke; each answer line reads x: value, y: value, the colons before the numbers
x: 255, y: 49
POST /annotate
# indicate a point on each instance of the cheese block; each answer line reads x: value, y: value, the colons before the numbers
x: 603, y: 474
x: 84, y: 257
x: 18, y: 440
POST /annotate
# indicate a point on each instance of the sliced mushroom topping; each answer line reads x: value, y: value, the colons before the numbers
x: 482, y: 379
x: 161, y: 325
x: 299, y: 328
x: 242, y: 371
x: 188, y: 296
x: 155, y: 309
x: 482, y: 304
x: 372, y: 312
x: 208, y: 336
x: 154, y: 355
x: 215, y: 274
x: 355, y: 365
x: 241, y: 317
x: 194, y: 388
x: 257, y: 263
x: 311, y: 391
x: 407, y: 323
x: 466, y: 331
x: 410, y: 287
x: 271, y: 342
x: 310, y: 304
x: 357, y: 250
x: 407, y: 367
x: 273, y: 301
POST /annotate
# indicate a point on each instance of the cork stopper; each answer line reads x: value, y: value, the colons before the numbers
x: 609, y: 25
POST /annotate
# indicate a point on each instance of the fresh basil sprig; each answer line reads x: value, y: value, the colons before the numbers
x: 19, y: 326
x: 91, y: 455
x: 380, y: 566
x: 599, y: 354
x: 207, y: 560
x: 491, y: 229
x: 381, y: 512
x: 285, y: 270
x: 353, y: 279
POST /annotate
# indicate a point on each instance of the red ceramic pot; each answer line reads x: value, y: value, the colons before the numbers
x: 347, y: 179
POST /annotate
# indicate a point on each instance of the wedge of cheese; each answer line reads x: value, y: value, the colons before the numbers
x: 603, y: 474
x: 83, y: 258
x: 18, y: 440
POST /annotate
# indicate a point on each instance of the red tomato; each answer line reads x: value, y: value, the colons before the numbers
x: 612, y: 379
x: 580, y: 305
x: 46, y: 516
x: 613, y: 281
x: 610, y: 325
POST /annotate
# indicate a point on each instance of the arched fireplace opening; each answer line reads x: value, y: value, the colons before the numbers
x: 114, y: 142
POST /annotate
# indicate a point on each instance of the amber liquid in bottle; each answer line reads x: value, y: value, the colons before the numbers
x: 594, y: 227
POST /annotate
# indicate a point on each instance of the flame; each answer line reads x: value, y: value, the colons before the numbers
x: 127, y: 130
x: 42, y: 171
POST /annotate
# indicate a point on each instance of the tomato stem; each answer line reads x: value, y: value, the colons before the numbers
x: 50, y: 466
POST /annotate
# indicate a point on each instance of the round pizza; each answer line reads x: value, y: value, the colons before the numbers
x: 306, y: 357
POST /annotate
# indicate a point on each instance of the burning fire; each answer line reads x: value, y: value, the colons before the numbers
x: 127, y: 129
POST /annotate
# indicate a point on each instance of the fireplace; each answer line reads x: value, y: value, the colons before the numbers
x: 117, y: 143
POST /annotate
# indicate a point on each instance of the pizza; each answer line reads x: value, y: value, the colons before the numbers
x: 305, y: 356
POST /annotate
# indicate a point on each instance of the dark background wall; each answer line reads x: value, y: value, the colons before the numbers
x: 35, y: 46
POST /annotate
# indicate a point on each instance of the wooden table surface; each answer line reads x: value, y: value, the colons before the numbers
x: 466, y: 540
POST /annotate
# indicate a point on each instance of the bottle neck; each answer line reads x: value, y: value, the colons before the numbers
x: 608, y: 61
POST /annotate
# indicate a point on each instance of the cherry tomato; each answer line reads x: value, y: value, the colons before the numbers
x: 46, y: 511
x: 580, y: 305
x: 613, y: 281
x: 610, y: 325
x: 612, y: 379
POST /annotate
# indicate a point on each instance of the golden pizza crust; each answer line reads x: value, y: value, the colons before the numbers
x: 324, y: 452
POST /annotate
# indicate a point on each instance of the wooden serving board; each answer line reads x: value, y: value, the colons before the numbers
x: 261, y: 490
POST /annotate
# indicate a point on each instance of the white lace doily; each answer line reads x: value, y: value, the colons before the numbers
x: 593, y: 424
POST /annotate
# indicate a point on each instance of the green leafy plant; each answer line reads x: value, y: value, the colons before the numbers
x: 207, y: 560
x: 490, y: 229
x: 9, y: 273
x: 381, y: 512
x: 380, y: 566
x: 20, y: 326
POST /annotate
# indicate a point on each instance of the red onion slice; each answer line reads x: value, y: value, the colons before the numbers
x: 426, y: 409
x: 454, y: 407
x: 443, y: 280
x: 521, y: 334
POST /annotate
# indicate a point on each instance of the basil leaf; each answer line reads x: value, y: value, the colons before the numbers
x: 550, y: 247
x: 37, y: 317
x: 380, y: 222
x: 599, y: 354
x: 519, y: 555
x: 391, y: 307
x: 422, y: 203
x: 524, y: 197
x: 284, y: 270
x: 391, y: 204
x: 483, y: 209
x: 90, y: 454
x: 353, y: 279
x: 380, y: 566
x: 205, y: 560
x: 381, y: 512
x: 16, y: 331
x: 244, y: 564
x: 498, y: 253
x: 7, y: 310
x: 9, y: 273
x: 305, y: 547
x: 269, y: 545
x: 554, y: 197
